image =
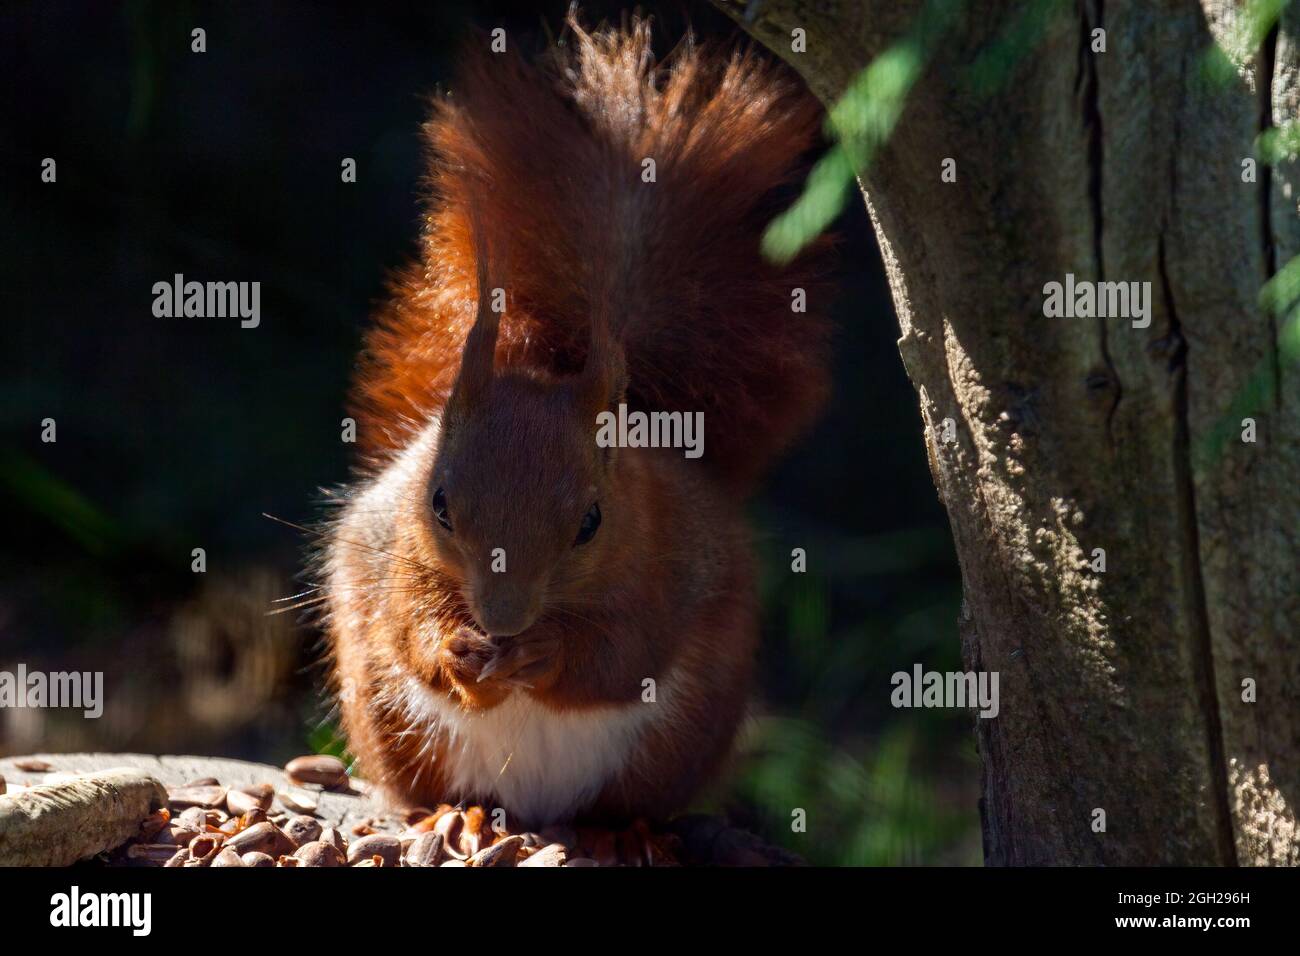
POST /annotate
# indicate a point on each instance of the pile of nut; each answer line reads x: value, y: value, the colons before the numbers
x: 206, y: 824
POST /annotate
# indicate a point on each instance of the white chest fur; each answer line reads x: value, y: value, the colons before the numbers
x: 541, y: 765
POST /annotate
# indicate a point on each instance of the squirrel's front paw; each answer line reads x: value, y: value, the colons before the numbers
x: 528, y: 664
x: 487, y: 670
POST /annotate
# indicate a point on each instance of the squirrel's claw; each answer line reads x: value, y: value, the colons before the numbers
x: 515, y: 662
x: 490, y: 668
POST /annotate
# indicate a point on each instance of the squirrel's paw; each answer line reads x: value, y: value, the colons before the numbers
x: 488, y: 670
x: 521, y: 663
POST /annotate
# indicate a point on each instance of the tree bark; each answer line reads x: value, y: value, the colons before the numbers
x: 1121, y: 691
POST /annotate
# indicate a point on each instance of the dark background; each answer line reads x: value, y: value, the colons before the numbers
x: 179, y: 433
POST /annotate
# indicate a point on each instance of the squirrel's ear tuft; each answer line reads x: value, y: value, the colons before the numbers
x: 478, y: 358
x: 602, y: 384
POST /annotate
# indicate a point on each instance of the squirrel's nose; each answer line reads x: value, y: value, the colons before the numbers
x: 505, y: 615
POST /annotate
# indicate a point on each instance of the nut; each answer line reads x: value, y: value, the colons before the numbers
x: 425, y: 851
x: 208, y: 797
x: 317, y: 853
x: 322, y: 769
x: 253, y: 816
x: 256, y: 859
x: 227, y: 857
x: 450, y: 826
x: 298, y: 801
x: 239, y: 802
x: 204, y: 848
x: 335, y: 839
x: 178, y: 835
x: 388, y: 848
x: 501, y: 853
x: 302, y: 829
x: 195, y: 818
x: 553, y: 855
x: 262, y: 838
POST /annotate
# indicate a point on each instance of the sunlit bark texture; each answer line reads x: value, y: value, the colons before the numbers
x: 1121, y: 690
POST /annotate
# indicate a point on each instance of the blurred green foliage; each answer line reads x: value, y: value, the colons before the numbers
x: 875, y: 785
x: 35, y: 488
x: 995, y: 64
x: 324, y: 737
x: 1279, y: 143
x: 1254, y: 22
x: 857, y: 125
x: 877, y: 808
x: 1280, y: 297
x: 866, y: 114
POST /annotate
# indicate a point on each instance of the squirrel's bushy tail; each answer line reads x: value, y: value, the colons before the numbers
x: 613, y: 186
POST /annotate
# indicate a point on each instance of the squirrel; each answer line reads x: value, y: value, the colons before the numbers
x: 516, y: 614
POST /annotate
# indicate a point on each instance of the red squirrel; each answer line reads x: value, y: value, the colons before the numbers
x: 519, y: 616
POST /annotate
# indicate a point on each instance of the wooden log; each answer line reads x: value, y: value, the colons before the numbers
x: 705, y: 840
x: 58, y: 824
x: 343, y: 810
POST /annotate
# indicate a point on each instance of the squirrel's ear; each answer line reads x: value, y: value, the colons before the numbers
x: 603, y: 381
x: 479, y: 355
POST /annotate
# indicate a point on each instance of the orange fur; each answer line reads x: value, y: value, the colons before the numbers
x: 553, y: 157
x: 617, y: 289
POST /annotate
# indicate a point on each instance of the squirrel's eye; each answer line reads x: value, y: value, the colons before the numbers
x: 440, y: 508
x: 590, y: 522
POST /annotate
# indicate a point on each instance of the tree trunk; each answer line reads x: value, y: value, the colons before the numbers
x: 1121, y: 690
